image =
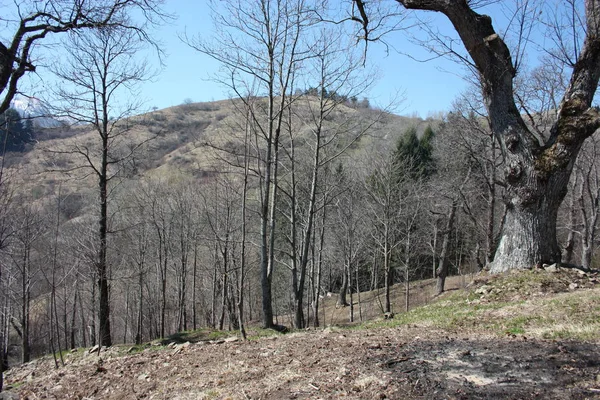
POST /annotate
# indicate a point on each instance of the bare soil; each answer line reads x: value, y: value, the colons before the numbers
x: 400, y: 363
x: 477, y: 358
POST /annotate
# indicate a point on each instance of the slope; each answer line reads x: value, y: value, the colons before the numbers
x: 501, y: 337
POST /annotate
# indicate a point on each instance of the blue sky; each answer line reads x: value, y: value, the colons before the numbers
x: 428, y: 86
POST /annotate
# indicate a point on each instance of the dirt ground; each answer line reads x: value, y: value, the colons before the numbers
x: 400, y: 363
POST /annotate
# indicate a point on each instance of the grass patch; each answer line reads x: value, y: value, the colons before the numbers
x: 258, y: 333
x: 528, y: 303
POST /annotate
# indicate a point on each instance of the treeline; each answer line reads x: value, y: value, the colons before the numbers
x: 185, y: 253
x: 15, y: 132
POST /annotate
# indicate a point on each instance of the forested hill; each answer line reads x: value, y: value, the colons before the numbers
x: 183, y: 189
x: 189, y: 139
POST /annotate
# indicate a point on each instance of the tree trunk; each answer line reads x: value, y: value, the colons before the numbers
x: 536, y: 174
x: 529, y: 233
x: 319, y: 273
x: 387, y: 269
x: 140, y: 315
x: 103, y: 284
x: 442, y: 270
x: 586, y: 255
x: 194, y: 277
x: 571, y: 227
x: 342, y: 302
x: 74, y: 317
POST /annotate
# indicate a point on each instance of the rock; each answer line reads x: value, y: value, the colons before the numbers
x: 142, y: 377
x: 388, y: 315
x: 552, y: 268
x: 232, y: 339
x: 485, y: 289
x: 573, y: 286
x: 94, y: 349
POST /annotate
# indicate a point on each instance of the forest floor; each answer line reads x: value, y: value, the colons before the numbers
x: 534, y: 334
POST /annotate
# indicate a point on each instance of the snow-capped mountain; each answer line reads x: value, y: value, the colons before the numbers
x: 31, y: 107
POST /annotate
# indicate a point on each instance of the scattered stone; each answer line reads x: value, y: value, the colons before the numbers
x: 552, y: 268
x: 573, y: 286
x: 232, y: 339
x: 143, y: 377
x: 485, y: 289
x: 388, y: 315
x: 93, y: 349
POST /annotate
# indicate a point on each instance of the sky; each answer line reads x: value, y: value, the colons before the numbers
x: 427, y: 87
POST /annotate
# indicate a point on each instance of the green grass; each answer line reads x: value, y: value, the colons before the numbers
x: 258, y: 333
x: 513, y: 304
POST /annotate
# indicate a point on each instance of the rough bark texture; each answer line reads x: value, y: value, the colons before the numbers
x: 537, y: 174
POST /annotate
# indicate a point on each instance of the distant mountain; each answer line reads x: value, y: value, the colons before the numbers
x: 31, y: 107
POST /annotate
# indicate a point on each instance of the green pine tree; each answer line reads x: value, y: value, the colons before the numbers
x: 14, y: 134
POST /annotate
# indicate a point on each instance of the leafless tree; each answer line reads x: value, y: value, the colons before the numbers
x: 101, y: 67
x: 28, y: 23
x: 536, y: 169
x: 259, y: 44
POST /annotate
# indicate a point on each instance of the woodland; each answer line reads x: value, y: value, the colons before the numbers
x: 124, y: 226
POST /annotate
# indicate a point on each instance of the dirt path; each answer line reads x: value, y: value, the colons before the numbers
x: 404, y: 363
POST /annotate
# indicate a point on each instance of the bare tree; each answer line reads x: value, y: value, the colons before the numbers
x: 537, y: 169
x: 586, y: 193
x: 100, y: 68
x: 29, y: 22
x: 259, y: 45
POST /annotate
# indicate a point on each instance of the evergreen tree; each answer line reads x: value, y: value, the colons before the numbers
x: 14, y: 134
x: 414, y: 154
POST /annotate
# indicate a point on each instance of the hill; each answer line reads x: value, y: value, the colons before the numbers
x: 183, y: 140
x: 534, y: 334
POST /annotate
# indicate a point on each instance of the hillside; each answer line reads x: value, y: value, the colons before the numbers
x: 184, y: 139
x: 534, y: 334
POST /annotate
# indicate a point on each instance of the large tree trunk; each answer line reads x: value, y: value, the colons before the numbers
x: 342, y: 301
x: 536, y: 173
x: 529, y: 233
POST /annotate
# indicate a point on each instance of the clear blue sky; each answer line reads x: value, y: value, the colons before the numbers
x: 187, y: 73
x: 428, y: 87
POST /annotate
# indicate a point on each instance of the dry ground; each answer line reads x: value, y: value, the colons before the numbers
x: 490, y: 341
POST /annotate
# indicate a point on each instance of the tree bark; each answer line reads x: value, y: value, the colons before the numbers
x: 536, y: 174
x: 442, y: 270
x: 342, y: 302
